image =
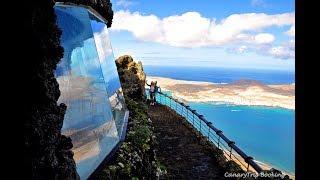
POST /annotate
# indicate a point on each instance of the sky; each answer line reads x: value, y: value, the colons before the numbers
x: 257, y: 34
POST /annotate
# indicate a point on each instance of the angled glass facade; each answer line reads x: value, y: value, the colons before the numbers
x: 90, y: 87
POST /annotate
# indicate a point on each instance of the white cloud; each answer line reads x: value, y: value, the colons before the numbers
x: 242, y: 49
x: 102, y: 42
x: 264, y: 38
x: 261, y: 38
x: 283, y: 51
x: 124, y: 3
x: 236, y: 24
x: 291, y: 31
x: 187, y: 30
x: 193, y: 30
x: 145, y: 28
x: 238, y: 50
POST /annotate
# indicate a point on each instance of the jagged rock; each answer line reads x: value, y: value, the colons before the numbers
x: 47, y: 153
x: 132, y: 77
x: 103, y: 7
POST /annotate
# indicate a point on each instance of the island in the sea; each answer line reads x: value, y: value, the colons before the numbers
x: 242, y: 92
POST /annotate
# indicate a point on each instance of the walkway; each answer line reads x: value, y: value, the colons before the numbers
x: 180, y: 150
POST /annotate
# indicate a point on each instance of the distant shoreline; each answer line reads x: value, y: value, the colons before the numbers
x: 280, y: 95
x: 242, y: 92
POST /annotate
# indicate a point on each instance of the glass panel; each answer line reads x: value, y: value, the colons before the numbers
x: 89, y: 120
x: 109, y: 70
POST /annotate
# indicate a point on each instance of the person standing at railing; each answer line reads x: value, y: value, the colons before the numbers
x: 152, y: 92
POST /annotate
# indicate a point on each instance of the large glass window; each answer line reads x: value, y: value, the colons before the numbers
x: 109, y: 70
x: 89, y: 83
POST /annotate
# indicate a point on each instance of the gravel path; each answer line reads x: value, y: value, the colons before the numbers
x: 179, y: 149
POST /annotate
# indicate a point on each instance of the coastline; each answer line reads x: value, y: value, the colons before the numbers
x: 243, y: 92
x: 259, y: 94
x: 263, y: 165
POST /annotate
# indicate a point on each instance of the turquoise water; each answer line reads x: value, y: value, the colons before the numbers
x: 265, y: 133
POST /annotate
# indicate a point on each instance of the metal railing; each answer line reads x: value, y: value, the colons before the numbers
x: 216, y: 136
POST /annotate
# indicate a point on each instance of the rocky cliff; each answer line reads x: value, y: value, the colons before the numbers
x: 103, y: 7
x: 132, y: 77
x: 136, y: 157
x: 47, y: 153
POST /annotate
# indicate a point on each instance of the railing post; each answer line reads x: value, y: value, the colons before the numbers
x: 176, y: 105
x: 187, y: 109
x: 208, y: 125
x: 193, y: 119
x: 218, y: 133
x: 229, y: 144
x: 187, y: 112
x: 247, y: 160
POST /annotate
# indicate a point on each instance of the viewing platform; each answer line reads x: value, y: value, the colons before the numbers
x: 183, y: 152
x: 192, y: 148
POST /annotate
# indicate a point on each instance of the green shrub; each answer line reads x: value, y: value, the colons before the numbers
x: 135, y: 158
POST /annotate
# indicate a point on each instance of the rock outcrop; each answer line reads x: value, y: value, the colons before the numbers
x: 136, y: 157
x: 47, y: 153
x: 132, y: 77
x: 103, y: 7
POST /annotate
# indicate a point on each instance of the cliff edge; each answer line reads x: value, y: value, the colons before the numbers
x: 47, y: 153
x: 132, y: 77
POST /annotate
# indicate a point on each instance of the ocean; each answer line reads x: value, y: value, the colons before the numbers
x: 265, y: 133
x: 221, y: 75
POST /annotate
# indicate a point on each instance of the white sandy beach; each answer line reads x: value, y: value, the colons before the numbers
x: 243, y: 92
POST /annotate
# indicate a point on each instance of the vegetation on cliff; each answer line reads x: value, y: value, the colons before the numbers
x: 136, y: 158
x: 151, y: 150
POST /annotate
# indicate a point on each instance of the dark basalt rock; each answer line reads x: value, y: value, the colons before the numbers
x: 103, y: 7
x: 47, y: 153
